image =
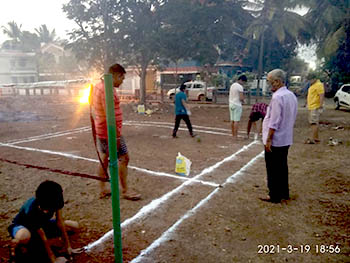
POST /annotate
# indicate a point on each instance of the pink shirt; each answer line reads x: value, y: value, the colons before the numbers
x: 280, y: 116
x: 99, y: 111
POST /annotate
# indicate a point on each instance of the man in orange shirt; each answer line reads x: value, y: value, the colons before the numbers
x: 99, y: 113
x: 315, y: 98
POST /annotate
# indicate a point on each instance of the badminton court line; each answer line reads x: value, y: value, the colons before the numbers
x: 49, y: 135
x: 147, y: 209
x: 128, y: 123
x: 167, y: 234
x: 154, y: 203
x: 72, y: 156
x: 194, y: 126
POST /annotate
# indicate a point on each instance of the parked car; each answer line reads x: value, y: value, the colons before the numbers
x: 195, y: 90
x: 342, y: 97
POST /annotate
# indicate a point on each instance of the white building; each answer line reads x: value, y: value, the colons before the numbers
x: 17, y: 67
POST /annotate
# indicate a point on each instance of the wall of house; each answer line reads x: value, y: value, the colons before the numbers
x: 132, y: 81
x: 17, y: 67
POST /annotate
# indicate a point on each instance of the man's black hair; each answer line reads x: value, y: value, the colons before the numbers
x: 116, y: 68
x: 49, y: 195
x: 182, y: 87
x: 243, y: 78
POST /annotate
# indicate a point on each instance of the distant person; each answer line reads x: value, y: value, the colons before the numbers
x: 33, y: 225
x: 236, y: 98
x: 278, y: 127
x: 182, y: 111
x: 257, y: 112
x: 315, y: 99
x: 99, y: 113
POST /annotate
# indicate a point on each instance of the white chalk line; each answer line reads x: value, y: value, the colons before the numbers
x: 182, y: 129
x: 130, y: 123
x: 167, y: 234
x: 72, y: 156
x: 172, y: 176
x: 49, y: 135
x: 194, y: 126
x: 154, y: 203
x: 147, y: 209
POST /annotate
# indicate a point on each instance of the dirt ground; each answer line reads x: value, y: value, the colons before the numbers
x: 213, y: 219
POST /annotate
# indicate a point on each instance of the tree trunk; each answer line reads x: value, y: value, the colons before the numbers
x: 260, y: 67
x: 143, y: 84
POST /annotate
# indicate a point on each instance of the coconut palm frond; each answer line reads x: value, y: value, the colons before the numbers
x: 333, y: 41
x: 280, y: 33
x: 13, y: 30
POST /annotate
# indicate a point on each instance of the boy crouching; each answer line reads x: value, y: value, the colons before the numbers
x: 33, y: 225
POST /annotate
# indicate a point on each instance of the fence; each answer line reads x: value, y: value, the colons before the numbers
x: 67, y: 87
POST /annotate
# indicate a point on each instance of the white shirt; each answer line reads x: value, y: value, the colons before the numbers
x: 235, y: 89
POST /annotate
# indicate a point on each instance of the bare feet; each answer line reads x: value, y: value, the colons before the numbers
x: 105, y: 193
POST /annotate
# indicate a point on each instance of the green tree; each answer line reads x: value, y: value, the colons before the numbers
x: 22, y: 40
x: 140, y: 27
x: 329, y: 19
x: 331, y: 26
x: 126, y: 31
x: 30, y: 42
x: 96, y: 38
x: 278, y: 30
x: 14, y: 32
x: 45, y: 35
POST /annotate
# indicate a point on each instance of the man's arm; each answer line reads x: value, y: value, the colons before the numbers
x: 60, y: 223
x: 321, y: 100
x: 274, y: 122
x: 241, y: 96
x: 49, y: 252
x: 185, y: 104
x: 269, y: 140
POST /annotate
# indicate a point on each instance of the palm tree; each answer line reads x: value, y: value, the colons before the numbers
x: 45, y: 35
x: 13, y: 31
x: 275, y: 19
x: 329, y: 20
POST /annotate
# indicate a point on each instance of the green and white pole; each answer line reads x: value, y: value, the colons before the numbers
x: 113, y: 168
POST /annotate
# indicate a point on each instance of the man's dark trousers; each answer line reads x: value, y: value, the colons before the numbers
x: 277, y: 173
x: 184, y: 117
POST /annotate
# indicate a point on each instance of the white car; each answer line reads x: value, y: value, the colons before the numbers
x: 342, y: 97
x: 195, y: 90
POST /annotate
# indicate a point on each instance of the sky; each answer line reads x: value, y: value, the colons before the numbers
x: 33, y: 13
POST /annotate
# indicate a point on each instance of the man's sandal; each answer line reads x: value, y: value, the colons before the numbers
x: 309, y: 141
x: 131, y: 196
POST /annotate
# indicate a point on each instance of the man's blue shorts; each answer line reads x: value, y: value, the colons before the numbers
x: 51, y: 229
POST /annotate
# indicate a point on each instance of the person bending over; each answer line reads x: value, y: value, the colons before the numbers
x: 34, y: 224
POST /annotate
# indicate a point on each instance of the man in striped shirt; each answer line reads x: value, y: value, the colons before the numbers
x: 258, y: 112
x: 99, y: 113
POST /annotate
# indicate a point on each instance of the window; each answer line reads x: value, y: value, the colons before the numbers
x: 346, y: 89
x: 22, y: 62
x: 197, y: 86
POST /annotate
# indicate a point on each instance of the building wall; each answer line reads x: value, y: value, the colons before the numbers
x: 132, y: 80
x: 17, y: 67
